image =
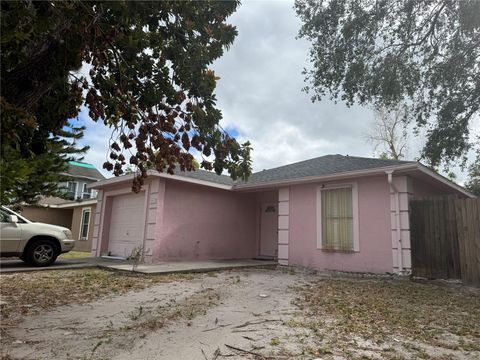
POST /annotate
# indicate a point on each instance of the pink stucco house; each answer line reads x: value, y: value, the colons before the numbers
x: 329, y: 213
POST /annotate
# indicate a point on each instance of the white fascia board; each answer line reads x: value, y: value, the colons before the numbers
x: 118, y: 180
x: 80, y: 177
x: 76, y: 204
x: 115, y: 180
x: 195, y: 181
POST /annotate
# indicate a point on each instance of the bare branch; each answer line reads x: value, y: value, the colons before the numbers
x: 388, y: 132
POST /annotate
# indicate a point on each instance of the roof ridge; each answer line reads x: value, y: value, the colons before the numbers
x: 208, y: 171
x: 295, y: 163
x: 324, y: 165
x: 334, y: 155
x: 377, y: 159
x: 81, y: 164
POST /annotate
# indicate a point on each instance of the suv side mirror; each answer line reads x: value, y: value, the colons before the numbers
x: 13, y: 219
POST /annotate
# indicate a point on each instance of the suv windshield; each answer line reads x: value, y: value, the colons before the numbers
x: 5, y: 212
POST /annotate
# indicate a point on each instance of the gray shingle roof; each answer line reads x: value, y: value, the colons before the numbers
x: 78, y: 169
x: 206, y: 176
x: 320, y: 166
x: 52, y: 200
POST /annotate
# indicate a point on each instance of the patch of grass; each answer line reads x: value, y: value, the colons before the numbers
x: 75, y: 255
x: 136, y: 314
x: 30, y: 293
x: 274, y: 342
x: 382, y: 310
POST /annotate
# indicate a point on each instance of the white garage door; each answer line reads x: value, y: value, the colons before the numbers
x: 126, y: 224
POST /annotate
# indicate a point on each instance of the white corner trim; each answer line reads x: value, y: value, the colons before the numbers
x: 284, y: 194
x: 283, y: 228
x: 356, y: 235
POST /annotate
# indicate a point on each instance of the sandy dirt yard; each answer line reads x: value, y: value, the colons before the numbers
x: 248, y: 314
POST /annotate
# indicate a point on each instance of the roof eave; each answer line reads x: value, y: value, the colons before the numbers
x: 77, y: 204
x: 114, y: 181
x: 67, y: 205
x: 445, y: 181
x: 196, y: 181
x: 82, y: 177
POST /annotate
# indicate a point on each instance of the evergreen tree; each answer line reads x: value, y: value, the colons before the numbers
x: 26, y: 177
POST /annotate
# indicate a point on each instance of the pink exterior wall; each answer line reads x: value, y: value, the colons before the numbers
x: 375, y: 253
x: 202, y: 222
x: 422, y: 189
x: 267, y: 196
x: 185, y: 221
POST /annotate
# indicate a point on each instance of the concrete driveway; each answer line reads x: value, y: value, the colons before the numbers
x: 15, y: 265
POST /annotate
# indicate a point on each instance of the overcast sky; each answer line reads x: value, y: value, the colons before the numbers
x: 260, y: 95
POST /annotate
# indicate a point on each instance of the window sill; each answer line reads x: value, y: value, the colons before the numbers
x: 338, y: 251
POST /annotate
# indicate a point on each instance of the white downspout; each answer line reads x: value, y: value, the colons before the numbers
x: 397, y: 220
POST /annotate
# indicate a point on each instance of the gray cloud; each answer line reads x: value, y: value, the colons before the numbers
x: 260, y: 92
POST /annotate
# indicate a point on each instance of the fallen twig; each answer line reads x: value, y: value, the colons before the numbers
x: 248, y: 323
x: 245, y: 351
x: 246, y: 330
x: 95, y: 348
x: 216, y: 327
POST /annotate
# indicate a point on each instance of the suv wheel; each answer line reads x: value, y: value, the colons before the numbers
x: 42, y: 253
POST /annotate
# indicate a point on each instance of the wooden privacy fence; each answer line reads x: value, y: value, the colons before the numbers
x: 445, y: 238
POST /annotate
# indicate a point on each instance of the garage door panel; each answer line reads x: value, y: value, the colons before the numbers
x: 126, y: 224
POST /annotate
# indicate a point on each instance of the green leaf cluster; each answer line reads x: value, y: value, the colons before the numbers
x: 473, y: 182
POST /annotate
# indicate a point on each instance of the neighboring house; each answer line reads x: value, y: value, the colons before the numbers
x: 331, y: 213
x: 80, y: 176
x: 73, y: 214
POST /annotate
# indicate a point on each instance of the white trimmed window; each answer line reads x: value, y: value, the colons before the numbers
x: 86, y: 193
x: 337, y: 218
x: 72, y: 189
x: 85, y: 223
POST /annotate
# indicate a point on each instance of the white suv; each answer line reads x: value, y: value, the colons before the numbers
x: 36, y: 243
